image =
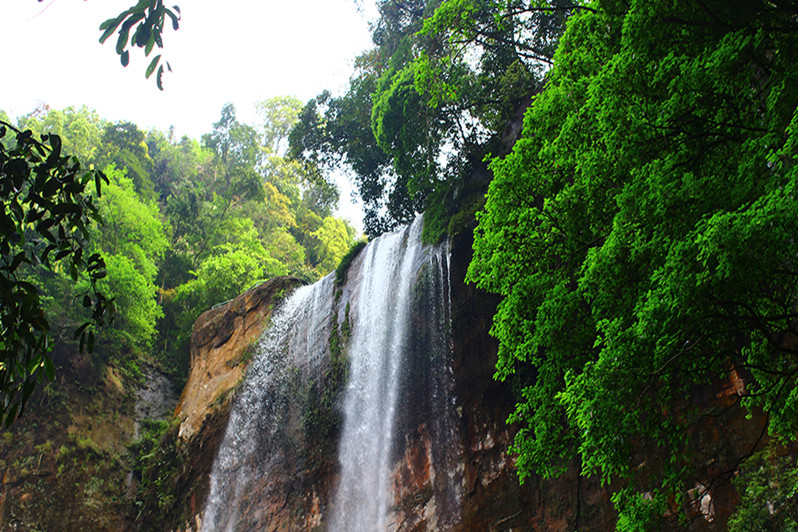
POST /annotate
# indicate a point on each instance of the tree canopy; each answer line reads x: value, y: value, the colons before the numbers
x: 429, y: 101
x: 642, y: 235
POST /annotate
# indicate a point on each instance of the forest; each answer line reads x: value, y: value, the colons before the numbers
x: 186, y: 224
x: 627, y: 169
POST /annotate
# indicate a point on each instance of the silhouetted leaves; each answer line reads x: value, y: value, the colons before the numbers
x: 146, y: 20
x: 39, y: 184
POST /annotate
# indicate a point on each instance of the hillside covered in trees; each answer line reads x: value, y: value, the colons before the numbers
x: 627, y: 170
x: 187, y: 224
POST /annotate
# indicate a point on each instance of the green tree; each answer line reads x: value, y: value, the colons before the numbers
x: 333, y: 239
x: 279, y: 116
x: 80, y: 129
x: 133, y: 241
x: 239, y: 154
x: 125, y: 146
x: 427, y: 104
x: 641, y: 234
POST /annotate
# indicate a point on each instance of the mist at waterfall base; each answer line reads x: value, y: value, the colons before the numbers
x: 395, y: 309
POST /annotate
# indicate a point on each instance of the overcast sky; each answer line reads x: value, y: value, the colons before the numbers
x: 231, y: 51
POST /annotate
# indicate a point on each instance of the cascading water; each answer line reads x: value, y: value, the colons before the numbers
x: 394, y: 308
x: 295, y: 342
x: 376, y: 354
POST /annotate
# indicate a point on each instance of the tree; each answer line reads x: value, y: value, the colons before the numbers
x: 125, y: 146
x: 45, y: 221
x: 279, y: 116
x: 239, y: 154
x: 133, y: 241
x: 642, y: 235
x: 429, y: 102
x: 333, y: 239
x: 80, y: 129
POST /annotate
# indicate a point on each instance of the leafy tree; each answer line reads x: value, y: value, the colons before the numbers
x: 133, y: 241
x: 80, y: 129
x: 334, y: 133
x: 125, y: 146
x: 47, y: 212
x: 768, y: 487
x: 642, y: 235
x: 279, y: 116
x: 239, y: 154
x: 432, y: 98
x: 333, y: 239
x: 135, y: 298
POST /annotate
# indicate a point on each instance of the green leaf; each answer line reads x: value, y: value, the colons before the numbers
x: 121, y: 41
x: 159, y: 78
x: 175, y: 19
x: 151, y: 67
x: 124, y: 57
x: 12, y: 414
x: 49, y: 369
x: 17, y: 261
x: 83, y: 327
x: 63, y: 253
x: 149, y: 47
x: 109, y: 26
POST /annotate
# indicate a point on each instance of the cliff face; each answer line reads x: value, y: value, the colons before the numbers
x: 487, y: 493
x: 222, y: 343
x: 451, y: 466
x: 477, y: 489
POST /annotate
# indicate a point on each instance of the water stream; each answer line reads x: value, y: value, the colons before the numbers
x: 394, y: 281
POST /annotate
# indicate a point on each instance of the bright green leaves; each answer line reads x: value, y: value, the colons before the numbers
x: 768, y: 487
x: 133, y: 241
x: 45, y: 220
x: 641, y: 233
x: 146, y: 20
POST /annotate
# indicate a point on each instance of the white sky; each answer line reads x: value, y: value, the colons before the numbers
x: 230, y: 51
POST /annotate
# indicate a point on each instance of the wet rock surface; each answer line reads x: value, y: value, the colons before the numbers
x: 221, y: 346
x: 451, y: 465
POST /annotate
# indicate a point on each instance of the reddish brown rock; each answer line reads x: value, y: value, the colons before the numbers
x: 222, y: 342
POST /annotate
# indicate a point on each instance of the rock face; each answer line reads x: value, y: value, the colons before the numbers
x: 221, y: 348
x: 221, y: 345
x: 476, y: 488
x: 488, y: 495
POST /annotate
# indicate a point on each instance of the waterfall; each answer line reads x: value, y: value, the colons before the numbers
x: 394, y: 309
x: 376, y: 355
x: 295, y: 342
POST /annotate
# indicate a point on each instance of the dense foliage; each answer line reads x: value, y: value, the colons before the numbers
x: 642, y: 233
x: 425, y: 105
x: 185, y: 225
